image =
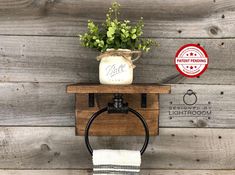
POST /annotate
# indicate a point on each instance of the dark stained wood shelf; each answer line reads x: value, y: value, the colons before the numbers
x: 133, y: 88
x: 117, y: 124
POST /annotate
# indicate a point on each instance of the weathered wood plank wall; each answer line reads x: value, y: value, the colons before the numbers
x: 59, y: 148
x: 40, y: 55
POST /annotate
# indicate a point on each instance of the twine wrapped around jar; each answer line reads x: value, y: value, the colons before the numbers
x: 125, y: 53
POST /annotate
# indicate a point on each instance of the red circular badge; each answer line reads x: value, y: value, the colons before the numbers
x: 191, y: 60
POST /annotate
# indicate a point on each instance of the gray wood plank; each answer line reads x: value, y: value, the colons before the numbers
x: 36, y: 104
x: 144, y: 172
x: 48, y: 104
x: 62, y: 59
x: 197, y: 18
x: 215, y: 106
x: 59, y: 148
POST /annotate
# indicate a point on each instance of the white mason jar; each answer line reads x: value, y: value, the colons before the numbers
x: 117, y: 69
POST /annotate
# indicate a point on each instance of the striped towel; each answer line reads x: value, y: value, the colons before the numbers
x: 114, y: 162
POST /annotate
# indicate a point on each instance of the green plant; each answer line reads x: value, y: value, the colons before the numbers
x: 114, y: 33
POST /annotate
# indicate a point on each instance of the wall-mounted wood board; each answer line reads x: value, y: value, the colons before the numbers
x: 62, y: 59
x: 177, y: 19
x: 144, y: 172
x: 48, y: 104
x: 59, y: 148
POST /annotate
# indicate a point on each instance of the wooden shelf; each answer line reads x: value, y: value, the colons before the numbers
x: 133, y: 88
x: 118, y: 123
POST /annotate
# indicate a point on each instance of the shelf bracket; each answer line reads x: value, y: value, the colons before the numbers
x: 91, y: 100
x: 143, y: 100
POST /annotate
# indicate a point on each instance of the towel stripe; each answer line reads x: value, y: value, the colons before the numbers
x: 109, y: 169
x: 116, y: 167
x: 116, y: 172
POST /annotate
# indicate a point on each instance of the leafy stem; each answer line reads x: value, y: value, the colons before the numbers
x: 115, y: 33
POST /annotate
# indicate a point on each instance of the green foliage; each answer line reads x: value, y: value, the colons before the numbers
x: 115, y: 33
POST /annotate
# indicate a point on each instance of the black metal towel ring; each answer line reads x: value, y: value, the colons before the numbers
x: 106, y: 109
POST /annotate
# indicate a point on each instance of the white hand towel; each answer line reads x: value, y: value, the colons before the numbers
x: 114, y: 162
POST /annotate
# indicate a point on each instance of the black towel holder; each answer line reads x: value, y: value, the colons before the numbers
x: 117, y: 107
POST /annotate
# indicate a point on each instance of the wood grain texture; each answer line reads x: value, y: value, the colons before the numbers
x: 125, y: 89
x: 48, y: 104
x: 59, y: 148
x: 36, y: 104
x: 194, y: 19
x: 219, y: 98
x: 144, y: 172
x: 40, y: 55
x: 117, y: 124
x: 62, y: 59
